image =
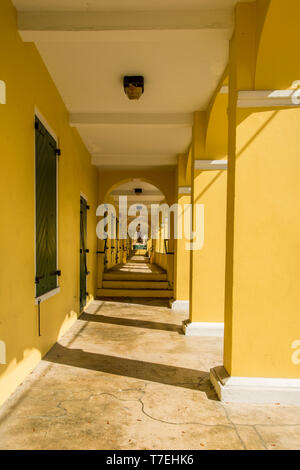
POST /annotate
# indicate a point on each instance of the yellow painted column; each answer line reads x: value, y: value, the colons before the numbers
x: 182, y: 255
x: 207, y: 261
x: 262, y: 293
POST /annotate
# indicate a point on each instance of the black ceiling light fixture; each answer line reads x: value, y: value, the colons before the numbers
x: 133, y: 86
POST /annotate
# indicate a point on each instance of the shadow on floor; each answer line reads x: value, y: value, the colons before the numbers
x: 147, y: 371
x: 130, y: 322
x: 148, y: 301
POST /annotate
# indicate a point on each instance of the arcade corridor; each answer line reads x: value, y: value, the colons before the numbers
x: 150, y: 281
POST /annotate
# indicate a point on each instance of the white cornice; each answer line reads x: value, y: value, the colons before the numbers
x: 224, y: 90
x: 2, y: 92
x: 211, y: 164
x: 254, y: 389
x: 91, y: 21
x: 268, y: 98
x: 184, y: 190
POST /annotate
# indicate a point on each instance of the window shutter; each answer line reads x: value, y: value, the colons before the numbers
x: 83, y: 237
x: 45, y: 180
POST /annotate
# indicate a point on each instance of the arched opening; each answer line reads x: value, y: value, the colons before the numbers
x: 135, y: 261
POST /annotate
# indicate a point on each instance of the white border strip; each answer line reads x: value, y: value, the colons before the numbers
x: 224, y: 90
x: 268, y: 98
x: 211, y: 164
x: 2, y: 92
x: 184, y: 190
x: 204, y: 329
x: 254, y: 389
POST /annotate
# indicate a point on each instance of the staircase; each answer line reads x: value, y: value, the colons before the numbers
x: 137, y: 278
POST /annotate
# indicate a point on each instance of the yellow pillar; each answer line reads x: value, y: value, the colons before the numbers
x: 262, y: 292
x: 207, y: 262
x: 182, y: 255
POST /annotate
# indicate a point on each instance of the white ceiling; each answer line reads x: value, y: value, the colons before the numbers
x: 180, y: 76
x: 87, y: 57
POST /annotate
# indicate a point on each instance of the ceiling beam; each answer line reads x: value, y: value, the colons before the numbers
x: 96, y: 21
x: 142, y: 200
x: 142, y: 160
x: 123, y: 119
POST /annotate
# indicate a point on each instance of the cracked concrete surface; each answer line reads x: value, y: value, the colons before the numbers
x: 124, y: 377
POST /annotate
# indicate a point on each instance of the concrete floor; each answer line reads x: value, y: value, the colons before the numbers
x: 124, y: 377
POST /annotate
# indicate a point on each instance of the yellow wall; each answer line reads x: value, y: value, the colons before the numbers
x: 28, y: 85
x: 278, y: 35
x: 161, y: 260
x: 163, y: 179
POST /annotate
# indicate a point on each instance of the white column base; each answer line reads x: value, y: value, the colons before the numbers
x: 254, y: 389
x: 203, y: 329
x: 180, y: 305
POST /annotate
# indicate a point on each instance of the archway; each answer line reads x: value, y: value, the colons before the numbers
x: 145, y: 242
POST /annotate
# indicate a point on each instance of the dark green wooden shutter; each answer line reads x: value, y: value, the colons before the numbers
x: 83, y: 236
x: 45, y: 190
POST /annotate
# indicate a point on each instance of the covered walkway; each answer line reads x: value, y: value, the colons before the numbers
x: 124, y: 377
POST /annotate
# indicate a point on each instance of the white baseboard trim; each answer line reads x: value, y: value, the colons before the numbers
x: 180, y: 305
x: 203, y: 329
x: 254, y: 389
x: 211, y: 164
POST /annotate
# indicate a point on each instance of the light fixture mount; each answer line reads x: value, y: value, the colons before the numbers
x: 133, y: 86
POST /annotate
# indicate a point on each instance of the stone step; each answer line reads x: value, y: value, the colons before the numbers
x: 152, y: 293
x: 134, y: 284
x: 111, y: 276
